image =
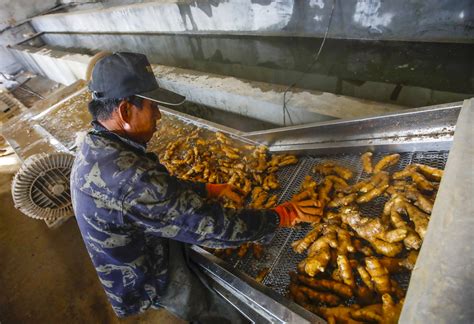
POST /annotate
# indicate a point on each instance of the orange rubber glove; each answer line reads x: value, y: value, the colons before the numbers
x: 217, y: 191
x: 291, y: 213
x: 287, y: 214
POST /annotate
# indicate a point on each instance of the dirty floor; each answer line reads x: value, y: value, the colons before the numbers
x: 46, y: 275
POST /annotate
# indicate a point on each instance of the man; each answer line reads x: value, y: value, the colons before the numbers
x: 137, y: 220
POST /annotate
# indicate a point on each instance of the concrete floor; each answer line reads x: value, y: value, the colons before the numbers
x: 46, y: 276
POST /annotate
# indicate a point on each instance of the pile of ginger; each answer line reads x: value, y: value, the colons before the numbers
x: 352, y: 263
x: 200, y: 155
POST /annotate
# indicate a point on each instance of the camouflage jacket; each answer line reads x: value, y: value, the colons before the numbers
x: 128, y: 207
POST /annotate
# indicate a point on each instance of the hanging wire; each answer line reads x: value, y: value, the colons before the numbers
x: 303, y: 74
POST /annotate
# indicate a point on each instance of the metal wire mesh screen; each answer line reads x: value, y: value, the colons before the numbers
x: 279, y: 257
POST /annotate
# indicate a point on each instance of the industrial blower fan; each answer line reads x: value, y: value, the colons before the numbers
x: 41, y: 187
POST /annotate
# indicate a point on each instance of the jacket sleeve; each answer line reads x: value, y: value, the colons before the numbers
x: 168, y: 207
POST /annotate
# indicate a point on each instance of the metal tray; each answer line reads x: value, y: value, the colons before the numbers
x: 279, y: 257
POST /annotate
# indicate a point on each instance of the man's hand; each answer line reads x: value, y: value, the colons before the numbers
x: 291, y: 213
x: 228, y: 191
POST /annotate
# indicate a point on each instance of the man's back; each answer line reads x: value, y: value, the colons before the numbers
x: 132, y: 265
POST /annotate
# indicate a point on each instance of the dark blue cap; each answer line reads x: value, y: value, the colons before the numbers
x: 123, y: 74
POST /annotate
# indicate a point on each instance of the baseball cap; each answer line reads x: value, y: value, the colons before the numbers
x: 124, y: 74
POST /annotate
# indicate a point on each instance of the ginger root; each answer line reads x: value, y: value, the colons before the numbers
x: 379, y: 274
x: 371, y: 313
x: 319, y: 253
x: 393, y: 265
x: 271, y: 202
x: 308, y: 190
x: 410, y: 261
x: 270, y: 182
x: 386, y: 161
x: 338, y: 288
x: 302, y: 245
x: 342, y: 201
x: 257, y: 250
x: 336, y: 276
x: 356, y: 187
x: 365, y: 296
x: 386, y: 312
x: 431, y: 173
x: 364, y: 249
x: 339, y: 314
x: 373, y: 182
x: 259, y: 196
x: 339, y: 183
x: 319, y: 296
x: 421, y: 181
x: 287, y: 160
x: 372, y: 230
x: 318, y: 256
x: 345, y: 270
x: 299, y: 297
x: 376, y: 186
x: 419, y: 218
x: 412, y: 240
x: 262, y: 274
x: 366, y: 159
x: 391, y: 310
x: 344, y: 242
x: 324, y: 190
x: 424, y: 203
x: 243, y: 249
x: 328, y: 168
x: 365, y: 276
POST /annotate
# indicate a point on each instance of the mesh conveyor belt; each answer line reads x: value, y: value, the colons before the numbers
x: 278, y: 256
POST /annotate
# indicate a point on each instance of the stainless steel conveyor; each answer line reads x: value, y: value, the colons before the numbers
x: 423, y: 135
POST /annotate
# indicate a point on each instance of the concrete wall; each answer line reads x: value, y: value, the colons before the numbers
x: 61, y: 67
x: 13, y: 35
x: 369, y: 70
x: 257, y: 100
x: 14, y: 11
x: 8, y: 63
x: 263, y: 101
x: 417, y: 20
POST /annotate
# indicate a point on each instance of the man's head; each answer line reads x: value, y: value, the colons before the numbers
x: 126, y: 95
x: 132, y: 117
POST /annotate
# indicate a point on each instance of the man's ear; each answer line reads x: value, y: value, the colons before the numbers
x: 123, y: 110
